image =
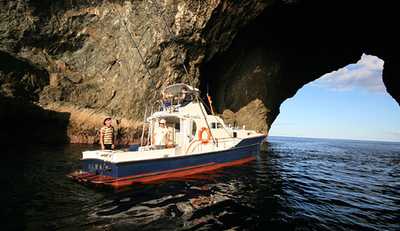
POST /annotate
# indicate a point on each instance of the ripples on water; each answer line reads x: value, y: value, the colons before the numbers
x: 298, y: 184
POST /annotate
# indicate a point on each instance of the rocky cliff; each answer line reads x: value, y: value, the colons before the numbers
x: 73, y: 62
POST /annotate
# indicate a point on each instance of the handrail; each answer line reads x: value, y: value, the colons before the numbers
x: 194, y: 141
x: 219, y: 140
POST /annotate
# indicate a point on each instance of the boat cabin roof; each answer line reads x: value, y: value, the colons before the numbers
x: 177, y: 89
x: 164, y: 115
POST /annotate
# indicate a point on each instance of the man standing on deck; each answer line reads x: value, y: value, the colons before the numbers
x: 107, y: 135
x: 160, y: 136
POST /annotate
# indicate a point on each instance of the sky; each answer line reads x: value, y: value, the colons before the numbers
x: 350, y: 103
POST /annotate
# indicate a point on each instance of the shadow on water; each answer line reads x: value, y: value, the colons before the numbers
x: 296, y: 184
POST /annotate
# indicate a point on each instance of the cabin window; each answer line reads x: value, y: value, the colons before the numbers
x: 194, y: 128
x: 215, y: 125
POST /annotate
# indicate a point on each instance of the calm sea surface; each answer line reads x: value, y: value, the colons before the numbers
x: 298, y: 184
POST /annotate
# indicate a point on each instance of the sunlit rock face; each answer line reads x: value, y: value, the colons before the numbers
x: 253, y: 116
x: 113, y: 57
x: 88, y: 59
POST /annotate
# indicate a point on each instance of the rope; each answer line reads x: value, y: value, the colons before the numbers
x: 134, y: 43
x: 168, y: 29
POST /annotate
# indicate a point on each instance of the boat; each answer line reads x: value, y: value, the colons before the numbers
x: 198, y: 142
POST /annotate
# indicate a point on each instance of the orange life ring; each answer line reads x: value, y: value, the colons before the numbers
x: 202, y: 130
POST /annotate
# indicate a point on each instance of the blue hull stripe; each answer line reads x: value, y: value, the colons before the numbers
x: 245, y: 148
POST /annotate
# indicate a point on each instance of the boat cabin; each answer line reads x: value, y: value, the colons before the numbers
x: 187, y: 120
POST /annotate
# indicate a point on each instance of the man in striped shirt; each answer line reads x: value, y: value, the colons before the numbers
x: 107, y: 135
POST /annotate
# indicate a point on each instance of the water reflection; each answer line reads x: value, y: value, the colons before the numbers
x: 297, y: 184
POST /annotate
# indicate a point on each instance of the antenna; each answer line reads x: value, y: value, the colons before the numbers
x: 210, y: 102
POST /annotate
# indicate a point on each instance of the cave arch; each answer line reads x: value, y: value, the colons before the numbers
x: 284, y: 49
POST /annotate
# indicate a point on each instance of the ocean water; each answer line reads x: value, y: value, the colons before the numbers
x: 297, y: 184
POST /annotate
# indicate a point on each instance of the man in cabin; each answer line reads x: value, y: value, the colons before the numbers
x: 107, y: 135
x: 160, y: 136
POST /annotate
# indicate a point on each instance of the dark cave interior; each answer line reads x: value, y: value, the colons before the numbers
x: 294, y: 43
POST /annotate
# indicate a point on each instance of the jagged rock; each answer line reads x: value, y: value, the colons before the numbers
x: 115, y: 56
x: 252, y: 116
x: 112, y: 57
x: 21, y: 79
x: 229, y: 117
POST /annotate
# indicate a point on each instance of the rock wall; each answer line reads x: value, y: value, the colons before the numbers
x: 113, y: 57
x: 91, y: 58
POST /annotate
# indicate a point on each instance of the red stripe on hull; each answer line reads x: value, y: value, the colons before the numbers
x: 155, y: 176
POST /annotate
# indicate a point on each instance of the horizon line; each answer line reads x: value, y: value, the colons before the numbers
x: 332, y: 138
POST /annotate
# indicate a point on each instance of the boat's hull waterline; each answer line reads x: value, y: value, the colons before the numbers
x: 100, y: 172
